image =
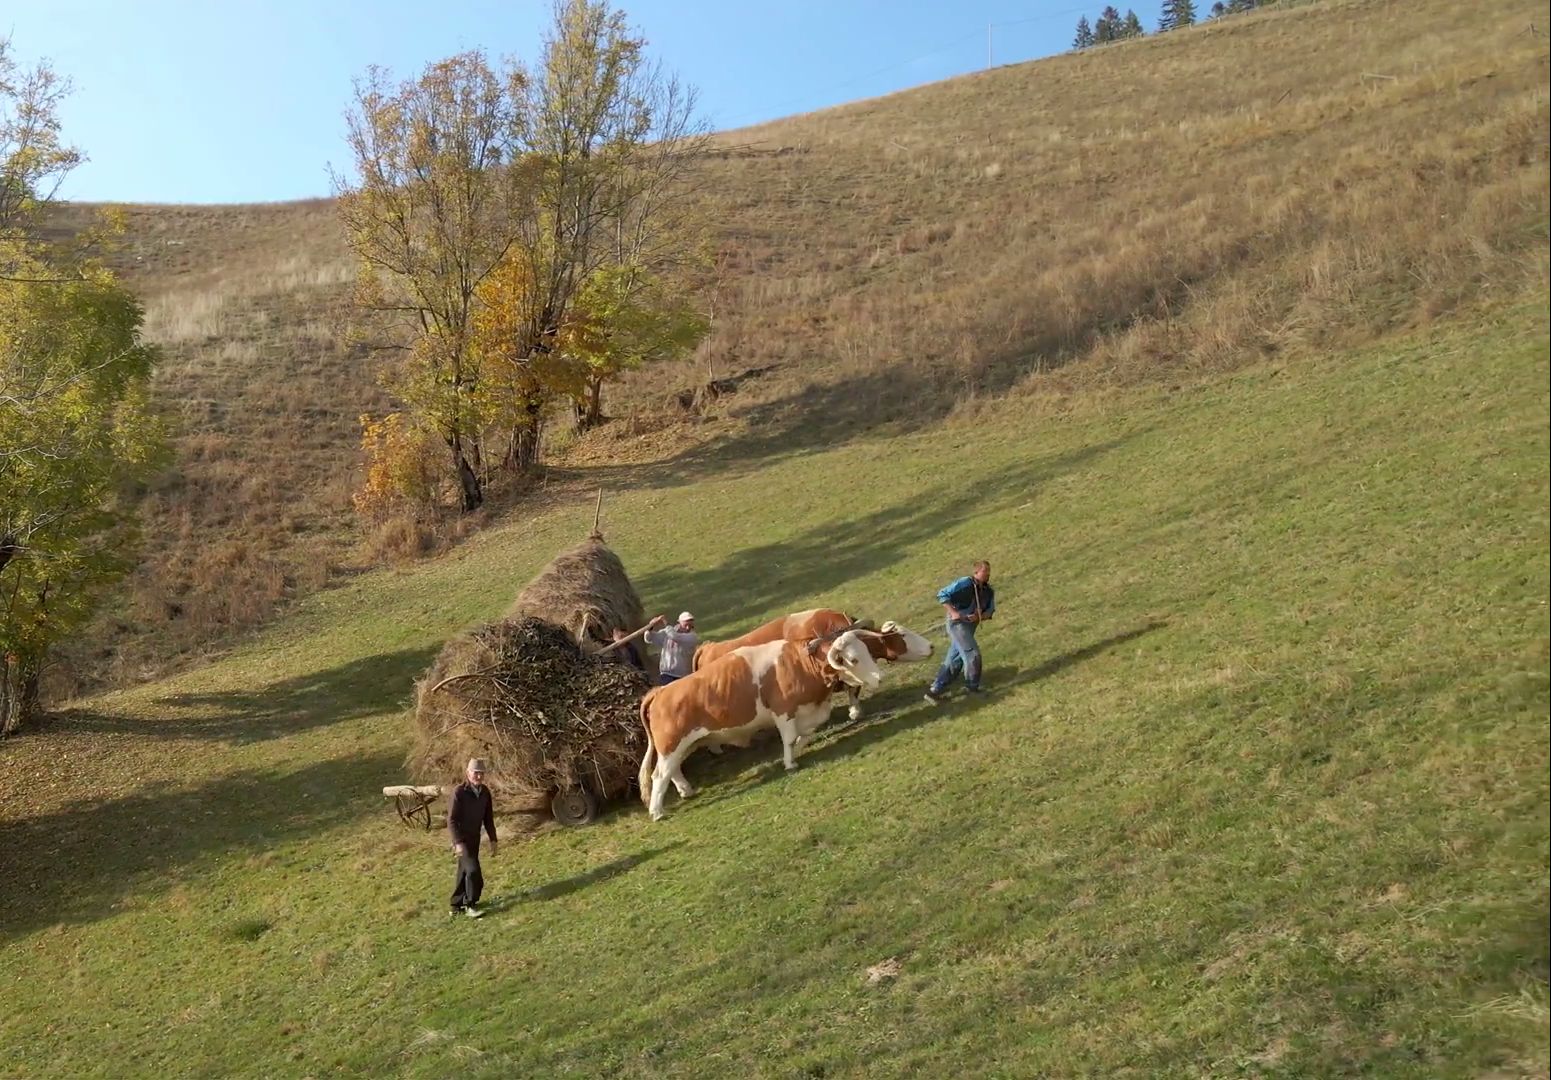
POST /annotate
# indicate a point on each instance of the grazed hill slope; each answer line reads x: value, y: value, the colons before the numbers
x: 1261, y: 789
x: 1288, y: 182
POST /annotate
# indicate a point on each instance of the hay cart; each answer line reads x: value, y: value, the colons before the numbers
x: 538, y: 694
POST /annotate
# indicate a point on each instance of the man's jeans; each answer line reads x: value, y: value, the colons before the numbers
x: 963, y: 658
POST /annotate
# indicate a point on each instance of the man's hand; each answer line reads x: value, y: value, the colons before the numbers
x: 493, y: 847
x: 458, y: 849
x: 657, y: 622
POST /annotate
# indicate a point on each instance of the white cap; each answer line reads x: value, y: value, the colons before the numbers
x: 685, y: 616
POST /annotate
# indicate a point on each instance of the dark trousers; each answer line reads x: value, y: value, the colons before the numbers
x: 470, y: 881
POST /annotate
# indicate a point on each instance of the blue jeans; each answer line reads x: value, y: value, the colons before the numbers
x: 664, y: 679
x: 963, y: 658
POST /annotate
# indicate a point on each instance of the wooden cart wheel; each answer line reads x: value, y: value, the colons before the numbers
x: 413, y: 810
x: 574, y: 806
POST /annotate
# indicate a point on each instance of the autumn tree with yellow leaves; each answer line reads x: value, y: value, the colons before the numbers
x: 482, y: 207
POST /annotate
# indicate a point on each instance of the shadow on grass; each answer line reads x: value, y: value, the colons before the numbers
x: 787, y: 573
x: 360, y: 688
x: 896, y: 710
x: 78, y: 865
x: 577, y: 882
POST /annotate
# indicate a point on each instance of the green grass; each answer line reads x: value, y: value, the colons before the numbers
x: 1262, y: 789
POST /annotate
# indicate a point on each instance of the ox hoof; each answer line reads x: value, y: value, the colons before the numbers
x: 658, y: 816
x: 790, y: 766
x: 687, y: 792
x: 854, y: 712
x: 716, y: 748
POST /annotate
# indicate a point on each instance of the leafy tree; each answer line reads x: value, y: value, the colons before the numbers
x: 76, y: 434
x: 518, y: 382
x: 1239, y: 7
x: 611, y: 138
x: 399, y: 466
x: 1219, y: 10
x: 482, y: 203
x: 427, y: 216
x: 1176, y: 14
x: 33, y: 159
x: 76, y: 431
x: 1084, y: 38
x: 625, y: 317
x: 1132, y: 28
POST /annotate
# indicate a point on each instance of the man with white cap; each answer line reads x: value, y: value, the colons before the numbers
x: 471, y: 808
x: 677, y: 644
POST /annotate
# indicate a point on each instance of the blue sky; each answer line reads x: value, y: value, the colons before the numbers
x: 242, y: 100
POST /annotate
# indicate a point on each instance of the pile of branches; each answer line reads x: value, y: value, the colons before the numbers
x: 547, y: 716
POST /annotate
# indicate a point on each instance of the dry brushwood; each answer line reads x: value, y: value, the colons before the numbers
x: 548, y: 716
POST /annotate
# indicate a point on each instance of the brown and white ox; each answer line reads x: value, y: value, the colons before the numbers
x: 781, y: 684
x: 891, y: 642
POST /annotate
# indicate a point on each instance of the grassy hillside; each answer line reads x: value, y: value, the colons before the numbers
x: 1262, y: 789
x: 1153, y: 210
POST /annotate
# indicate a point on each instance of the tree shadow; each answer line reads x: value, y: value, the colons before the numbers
x: 896, y: 710
x: 823, y: 413
x: 787, y: 573
x: 577, y: 882
x: 78, y: 865
x: 360, y: 688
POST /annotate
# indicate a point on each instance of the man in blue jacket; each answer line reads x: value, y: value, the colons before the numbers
x: 969, y: 601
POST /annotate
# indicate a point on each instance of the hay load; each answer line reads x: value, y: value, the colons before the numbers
x: 584, y: 590
x: 560, y: 726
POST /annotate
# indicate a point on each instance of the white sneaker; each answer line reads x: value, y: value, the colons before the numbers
x: 473, y: 912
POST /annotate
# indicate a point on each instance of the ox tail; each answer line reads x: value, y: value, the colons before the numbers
x: 649, y: 759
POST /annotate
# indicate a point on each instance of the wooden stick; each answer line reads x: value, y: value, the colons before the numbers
x: 597, y: 515
x: 624, y: 640
x: 465, y: 675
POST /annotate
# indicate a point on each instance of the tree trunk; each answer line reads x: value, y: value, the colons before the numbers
x: 468, y: 480
x: 525, y: 439
x: 590, y: 414
x: 18, y: 693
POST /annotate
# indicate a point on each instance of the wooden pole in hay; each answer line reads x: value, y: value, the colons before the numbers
x: 597, y: 516
x: 624, y: 640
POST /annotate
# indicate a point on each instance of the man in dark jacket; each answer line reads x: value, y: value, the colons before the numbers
x: 969, y: 601
x: 470, y: 809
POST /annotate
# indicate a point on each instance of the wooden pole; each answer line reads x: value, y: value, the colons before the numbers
x: 597, y: 515
x: 624, y: 640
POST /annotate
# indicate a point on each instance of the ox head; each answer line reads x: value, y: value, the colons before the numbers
x: 903, y: 645
x: 852, y: 661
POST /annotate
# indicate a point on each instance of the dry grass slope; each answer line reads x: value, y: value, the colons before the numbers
x: 1286, y: 182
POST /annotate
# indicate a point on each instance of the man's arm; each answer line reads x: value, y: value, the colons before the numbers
x: 945, y: 597
x: 490, y: 817
x: 452, y: 819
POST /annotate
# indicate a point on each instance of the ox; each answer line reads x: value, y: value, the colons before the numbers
x: 780, y: 684
x: 892, y: 642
